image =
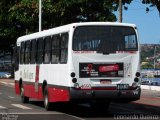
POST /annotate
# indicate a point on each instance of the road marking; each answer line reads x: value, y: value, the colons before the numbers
x: 4, y: 83
x: 75, y: 117
x: 36, y: 113
x: 7, y: 84
x: 12, y: 84
x: 11, y: 97
x: 21, y: 106
x: 1, y: 107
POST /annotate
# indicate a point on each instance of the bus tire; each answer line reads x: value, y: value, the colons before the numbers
x: 47, y: 104
x: 24, y: 99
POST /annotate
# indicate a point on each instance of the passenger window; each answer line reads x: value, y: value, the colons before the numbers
x: 130, y: 42
x: 55, y: 49
x: 33, y: 52
x: 47, y: 50
x: 40, y: 47
x: 64, y: 48
x: 27, y: 52
x: 22, y: 53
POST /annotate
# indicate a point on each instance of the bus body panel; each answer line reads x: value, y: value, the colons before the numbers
x: 60, y: 83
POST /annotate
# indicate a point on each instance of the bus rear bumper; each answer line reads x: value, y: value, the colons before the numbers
x: 120, y: 95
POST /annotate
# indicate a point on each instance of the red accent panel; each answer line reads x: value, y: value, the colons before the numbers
x: 58, y: 95
x: 17, y: 90
x: 37, y: 73
x: 55, y: 94
x: 104, y: 88
x: 109, y: 68
x: 29, y: 91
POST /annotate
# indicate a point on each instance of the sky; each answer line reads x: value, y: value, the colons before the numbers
x: 148, y: 24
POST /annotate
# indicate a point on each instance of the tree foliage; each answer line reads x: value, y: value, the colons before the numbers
x: 18, y: 17
x: 152, y: 3
x: 60, y: 12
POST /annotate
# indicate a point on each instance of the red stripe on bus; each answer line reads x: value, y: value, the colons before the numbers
x: 29, y: 91
x: 58, y: 95
x: 17, y: 90
x: 55, y: 94
x: 37, y: 73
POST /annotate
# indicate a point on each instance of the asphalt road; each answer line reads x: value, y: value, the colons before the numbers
x: 11, y: 108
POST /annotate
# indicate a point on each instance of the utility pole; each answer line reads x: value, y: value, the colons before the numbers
x: 120, y: 11
x: 40, y: 15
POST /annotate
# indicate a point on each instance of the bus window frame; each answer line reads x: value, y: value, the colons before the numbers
x: 22, y: 48
x: 40, y: 51
x: 27, y: 53
x: 56, y: 48
x: 131, y: 49
x: 124, y: 49
x: 47, y: 50
x: 33, y: 51
x: 64, y: 48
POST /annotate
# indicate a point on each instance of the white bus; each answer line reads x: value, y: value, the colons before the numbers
x: 95, y: 62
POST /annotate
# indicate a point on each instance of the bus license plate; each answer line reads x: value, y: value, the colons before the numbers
x: 122, y: 86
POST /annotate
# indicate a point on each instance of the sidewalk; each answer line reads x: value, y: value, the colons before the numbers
x: 7, y: 82
x: 149, y: 97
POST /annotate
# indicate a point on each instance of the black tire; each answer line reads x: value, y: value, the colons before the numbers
x: 47, y: 104
x: 24, y: 99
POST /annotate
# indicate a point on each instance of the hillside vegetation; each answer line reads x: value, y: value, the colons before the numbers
x: 147, y: 55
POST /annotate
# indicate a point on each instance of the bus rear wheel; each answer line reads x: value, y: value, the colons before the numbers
x: 24, y: 99
x: 47, y: 104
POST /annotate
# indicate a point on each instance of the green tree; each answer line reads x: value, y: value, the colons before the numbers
x: 7, y: 32
x: 152, y: 3
x: 60, y: 12
x: 18, y: 17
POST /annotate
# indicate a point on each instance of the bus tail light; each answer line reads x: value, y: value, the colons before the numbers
x: 74, y: 80
x: 136, y: 79
x: 138, y: 74
x: 73, y: 74
x: 109, y: 68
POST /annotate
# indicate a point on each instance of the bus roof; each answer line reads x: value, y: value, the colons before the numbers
x: 66, y: 28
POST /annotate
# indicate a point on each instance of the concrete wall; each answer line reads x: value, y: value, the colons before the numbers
x: 148, y: 87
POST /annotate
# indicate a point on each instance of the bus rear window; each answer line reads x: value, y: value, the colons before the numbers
x: 104, y: 39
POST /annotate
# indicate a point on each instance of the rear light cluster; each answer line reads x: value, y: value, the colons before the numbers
x: 136, y: 79
x: 74, y: 80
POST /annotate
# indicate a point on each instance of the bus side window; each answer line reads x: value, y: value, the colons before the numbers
x: 22, y: 53
x: 16, y: 58
x: 33, y: 52
x: 47, y: 49
x: 27, y: 52
x: 64, y: 48
x: 55, y: 49
x: 39, y: 51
